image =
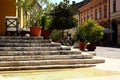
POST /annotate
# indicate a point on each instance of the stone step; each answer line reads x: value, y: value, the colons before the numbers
x: 27, y: 53
x: 44, y: 57
x: 50, y: 62
x: 29, y: 48
x: 25, y: 41
x: 17, y: 53
x: 30, y: 44
x: 21, y: 37
x: 45, y: 67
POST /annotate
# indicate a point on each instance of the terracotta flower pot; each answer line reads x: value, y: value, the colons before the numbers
x: 91, y: 47
x: 35, y: 31
x: 82, y: 45
x: 45, y: 33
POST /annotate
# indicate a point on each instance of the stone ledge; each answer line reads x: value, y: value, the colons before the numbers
x: 25, y: 53
x: 45, y: 67
x: 50, y: 62
x: 44, y: 57
x: 29, y: 45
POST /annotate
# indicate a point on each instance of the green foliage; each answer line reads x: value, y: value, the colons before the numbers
x: 56, y: 35
x: 48, y: 7
x: 90, y: 32
x: 25, y: 5
x: 35, y: 17
x: 48, y: 23
x: 33, y: 12
x: 62, y: 15
x: 45, y: 21
x: 79, y: 35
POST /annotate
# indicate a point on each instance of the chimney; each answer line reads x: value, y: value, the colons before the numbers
x: 73, y: 2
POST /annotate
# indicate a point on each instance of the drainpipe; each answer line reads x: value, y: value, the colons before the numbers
x: 110, y: 22
x: 78, y: 18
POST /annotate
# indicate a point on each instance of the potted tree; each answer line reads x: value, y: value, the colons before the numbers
x: 93, y: 33
x: 45, y: 22
x: 80, y: 38
x: 35, y: 20
x: 33, y: 15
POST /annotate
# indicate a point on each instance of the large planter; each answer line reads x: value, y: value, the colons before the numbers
x: 91, y: 47
x: 35, y: 31
x: 45, y: 33
x: 82, y: 45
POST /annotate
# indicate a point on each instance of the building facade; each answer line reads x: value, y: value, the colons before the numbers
x: 97, y: 10
x: 115, y: 20
x: 8, y: 8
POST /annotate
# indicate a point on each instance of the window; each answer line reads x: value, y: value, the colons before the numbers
x: 96, y: 14
x: 85, y: 17
x: 114, y: 5
x: 82, y: 20
x: 105, y: 11
x: 100, y: 13
x: 88, y: 16
x: 91, y: 15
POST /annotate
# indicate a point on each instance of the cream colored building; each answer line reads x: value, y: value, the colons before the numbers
x: 115, y: 20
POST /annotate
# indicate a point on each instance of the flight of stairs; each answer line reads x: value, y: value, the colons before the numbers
x: 23, y: 53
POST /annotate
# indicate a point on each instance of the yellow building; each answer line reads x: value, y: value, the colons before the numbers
x: 8, y: 8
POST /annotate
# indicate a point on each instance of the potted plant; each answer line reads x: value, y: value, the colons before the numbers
x: 31, y: 10
x: 80, y: 38
x: 45, y: 22
x: 33, y: 15
x: 35, y: 22
x: 93, y: 33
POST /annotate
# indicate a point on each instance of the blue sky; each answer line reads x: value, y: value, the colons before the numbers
x: 57, y: 1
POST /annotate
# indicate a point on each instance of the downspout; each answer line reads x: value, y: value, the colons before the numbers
x: 110, y: 22
x: 78, y: 18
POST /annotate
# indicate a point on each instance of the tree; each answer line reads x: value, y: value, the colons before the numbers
x: 62, y: 15
x: 93, y: 32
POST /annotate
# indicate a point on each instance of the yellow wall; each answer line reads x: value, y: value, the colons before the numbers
x: 7, y: 8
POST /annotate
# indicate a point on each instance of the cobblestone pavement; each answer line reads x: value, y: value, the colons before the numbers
x: 111, y: 56
x: 108, y: 52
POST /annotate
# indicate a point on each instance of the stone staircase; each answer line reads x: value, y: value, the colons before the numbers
x: 23, y: 53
